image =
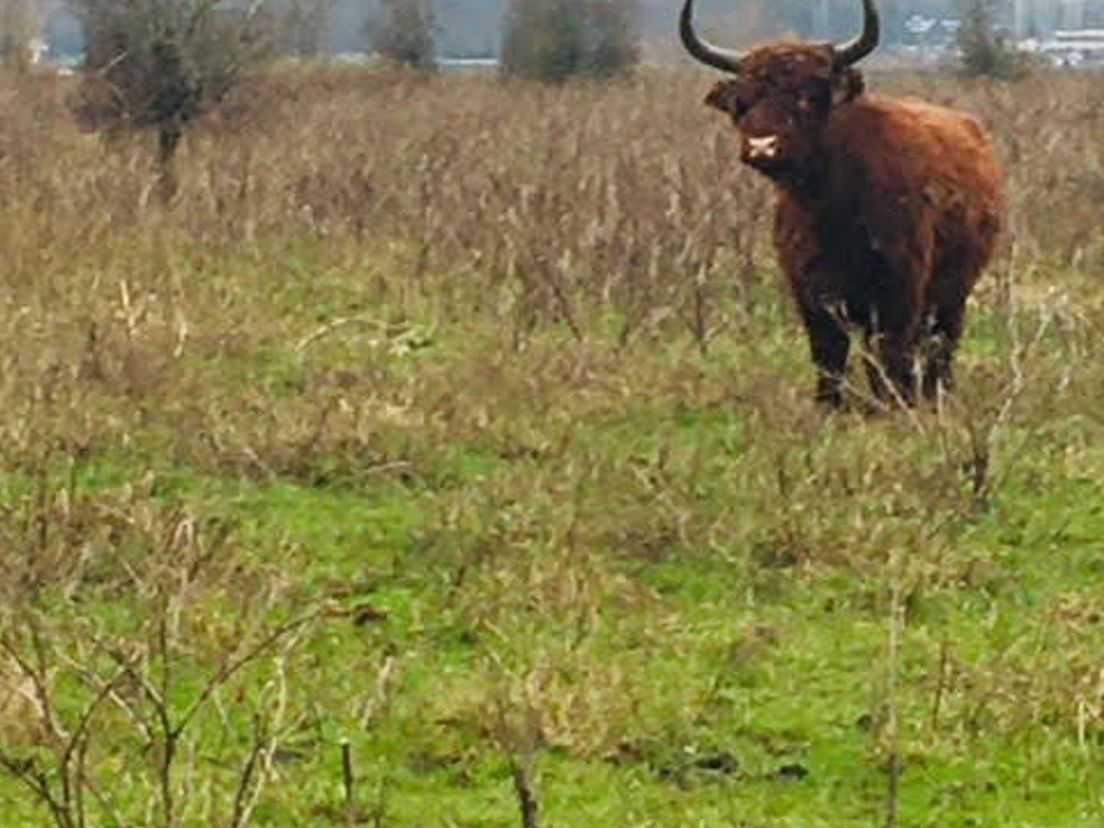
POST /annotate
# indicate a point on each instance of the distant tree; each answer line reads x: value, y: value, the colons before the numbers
x: 302, y: 27
x: 984, y: 49
x: 163, y: 64
x: 404, y: 31
x: 19, y: 21
x: 554, y: 40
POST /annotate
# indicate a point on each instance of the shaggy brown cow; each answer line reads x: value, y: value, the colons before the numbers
x: 888, y: 209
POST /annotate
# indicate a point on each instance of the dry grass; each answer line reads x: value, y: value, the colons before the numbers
x: 507, y: 372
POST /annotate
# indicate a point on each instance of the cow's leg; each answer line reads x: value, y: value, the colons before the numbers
x: 902, y: 243
x: 818, y: 286
x: 875, y: 373
x: 898, y: 354
x: 829, y: 343
x: 890, y: 367
x: 943, y: 337
x: 893, y: 343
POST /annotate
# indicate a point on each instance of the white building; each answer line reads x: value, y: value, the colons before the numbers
x: 1038, y: 18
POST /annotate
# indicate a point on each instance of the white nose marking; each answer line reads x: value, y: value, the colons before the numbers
x: 764, y: 147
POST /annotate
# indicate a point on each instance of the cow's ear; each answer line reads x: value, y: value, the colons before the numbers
x: 725, y: 96
x: 846, y: 85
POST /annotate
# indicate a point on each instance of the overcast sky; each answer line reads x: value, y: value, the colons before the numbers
x: 473, y: 27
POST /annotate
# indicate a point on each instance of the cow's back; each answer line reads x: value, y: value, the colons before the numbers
x: 914, y: 143
x: 906, y: 163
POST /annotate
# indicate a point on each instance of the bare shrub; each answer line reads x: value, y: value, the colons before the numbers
x: 181, y: 620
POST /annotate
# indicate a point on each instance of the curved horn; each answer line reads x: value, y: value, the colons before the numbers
x: 707, y: 53
x: 864, y: 44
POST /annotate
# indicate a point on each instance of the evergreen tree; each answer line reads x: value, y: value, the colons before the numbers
x: 983, y: 48
x: 405, y: 32
x: 162, y: 64
x: 554, y: 40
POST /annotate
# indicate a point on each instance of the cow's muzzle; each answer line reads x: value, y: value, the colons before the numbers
x: 762, y: 148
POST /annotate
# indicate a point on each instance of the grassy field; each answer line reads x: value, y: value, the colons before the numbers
x: 468, y: 425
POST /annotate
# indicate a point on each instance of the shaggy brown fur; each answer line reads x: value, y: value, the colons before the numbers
x: 888, y: 210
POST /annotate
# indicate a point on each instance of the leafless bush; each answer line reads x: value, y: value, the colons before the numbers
x: 181, y: 621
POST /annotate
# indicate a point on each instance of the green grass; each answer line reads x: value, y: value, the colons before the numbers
x: 531, y: 516
x: 685, y: 579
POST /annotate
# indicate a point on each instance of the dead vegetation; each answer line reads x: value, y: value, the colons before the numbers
x: 542, y: 327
